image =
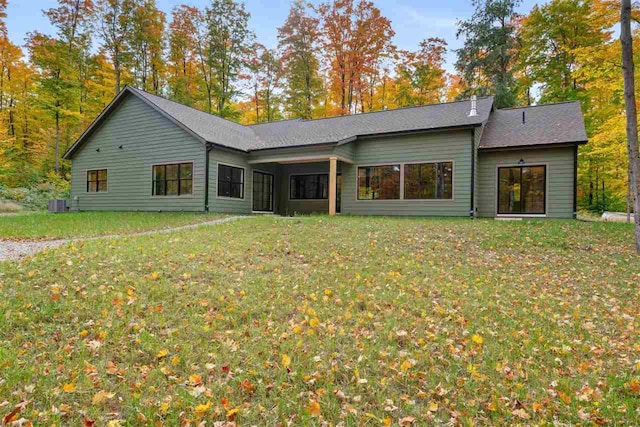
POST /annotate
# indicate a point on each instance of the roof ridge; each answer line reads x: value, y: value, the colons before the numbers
x: 540, y: 105
x: 297, y: 119
x: 392, y: 109
x: 249, y: 126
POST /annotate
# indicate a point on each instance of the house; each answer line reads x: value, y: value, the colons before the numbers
x: 463, y: 158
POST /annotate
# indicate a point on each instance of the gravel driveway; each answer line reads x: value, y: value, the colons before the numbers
x: 11, y: 250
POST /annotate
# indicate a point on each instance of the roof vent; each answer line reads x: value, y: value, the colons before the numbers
x: 474, y: 109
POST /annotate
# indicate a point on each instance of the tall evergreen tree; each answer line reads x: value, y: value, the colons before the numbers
x: 487, y: 59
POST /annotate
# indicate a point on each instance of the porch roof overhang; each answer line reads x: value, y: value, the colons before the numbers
x: 300, y: 159
x: 301, y: 154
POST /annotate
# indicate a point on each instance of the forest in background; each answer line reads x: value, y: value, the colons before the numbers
x: 334, y: 58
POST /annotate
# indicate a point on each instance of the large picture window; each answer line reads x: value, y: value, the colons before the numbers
x: 521, y: 190
x: 173, y: 180
x: 97, y: 181
x: 230, y: 182
x: 428, y: 181
x: 312, y: 186
x: 379, y: 182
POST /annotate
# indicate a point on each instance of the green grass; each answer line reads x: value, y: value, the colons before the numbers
x: 43, y: 225
x: 382, y: 320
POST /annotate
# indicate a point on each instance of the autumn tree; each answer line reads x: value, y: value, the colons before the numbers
x: 228, y: 38
x: 115, y: 20
x: 17, y: 149
x: 146, y: 43
x: 183, y: 60
x: 628, y: 69
x: 421, y: 78
x: 298, y: 41
x: 265, y: 74
x: 60, y: 62
x: 555, y: 31
x: 486, y: 60
x: 356, y: 36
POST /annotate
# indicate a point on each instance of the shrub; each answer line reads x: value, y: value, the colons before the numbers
x: 37, y: 197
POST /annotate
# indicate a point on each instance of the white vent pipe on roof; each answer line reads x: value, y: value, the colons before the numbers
x: 474, y: 109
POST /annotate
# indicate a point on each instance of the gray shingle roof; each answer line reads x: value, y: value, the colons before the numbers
x: 209, y: 127
x: 544, y: 124
x: 292, y: 133
x: 335, y: 129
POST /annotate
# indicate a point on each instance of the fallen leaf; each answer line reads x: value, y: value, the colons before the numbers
x: 101, y: 396
x: 69, y: 388
x: 286, y: 361
x: 314, y: 408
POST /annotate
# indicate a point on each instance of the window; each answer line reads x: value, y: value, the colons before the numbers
x: 262, y: 192
x: 313, y: 186
x: 173, y: 180
x: 521, y: 190
x: 230, y: 182
x: 97, y: 181
x: 379, y: 182
x: 428, y: 181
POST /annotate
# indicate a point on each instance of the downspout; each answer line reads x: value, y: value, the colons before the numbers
x: 472, y: 211
x: 575, y: 181
x: 208, y: 149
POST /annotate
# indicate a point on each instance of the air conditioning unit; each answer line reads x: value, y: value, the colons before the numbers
x: 57, y: 205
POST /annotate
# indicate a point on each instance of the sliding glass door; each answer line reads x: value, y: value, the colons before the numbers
x: 522, y: 190
x: 262, y: 192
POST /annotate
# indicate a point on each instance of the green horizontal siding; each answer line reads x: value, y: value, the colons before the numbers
x: 560, y: 176
x: 148, y: 138
x: 428, y: 147
x: 231, y: 158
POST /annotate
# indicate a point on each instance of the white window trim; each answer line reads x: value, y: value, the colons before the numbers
x: 244, y: 182
x: 306, y: 200
x: 86, y: 180
x: 546, y: 190
x: 193, y: 180
x: 402, y: 198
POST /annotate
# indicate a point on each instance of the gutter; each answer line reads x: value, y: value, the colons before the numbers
x: 208, y: 149
x: 472, y: 211
x: 533, y: 146
x: 575, y: 182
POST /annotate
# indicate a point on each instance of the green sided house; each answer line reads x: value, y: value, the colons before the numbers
x: 466, y: 158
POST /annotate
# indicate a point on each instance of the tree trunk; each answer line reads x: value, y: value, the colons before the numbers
x: 57, y: 140
x: 632, y: 115
x: 629, y: 199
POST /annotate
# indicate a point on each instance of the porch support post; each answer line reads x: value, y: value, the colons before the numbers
x: 333, y: 177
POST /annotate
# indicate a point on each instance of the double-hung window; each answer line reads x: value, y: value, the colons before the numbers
x: 230, y: 182
x: 97, y: 181
x: 173, y: 180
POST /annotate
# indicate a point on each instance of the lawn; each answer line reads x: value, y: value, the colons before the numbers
x: 328, y: 321
x: 43, y: 225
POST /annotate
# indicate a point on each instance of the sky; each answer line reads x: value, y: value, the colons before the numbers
x: 412, y: 20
